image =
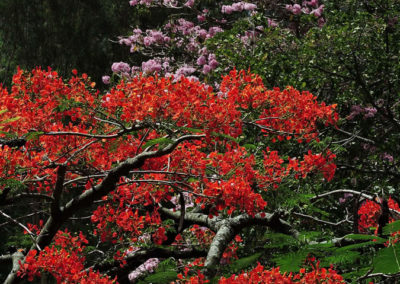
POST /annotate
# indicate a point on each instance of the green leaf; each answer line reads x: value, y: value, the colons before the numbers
x: 242, y: 263
x: 166, y: 265
x: 357, y: 246
x: 391, y: 228
x: 161, y: 277
x: 309, y: 235
x: 10, y: 120
x: 33, y: 135
x: 194, y: 130
x: 250, y: 146
x: 8, y: 135
x: 361, y: 237
x: 387, y: 260
x: 222, y: 135
x: 192, y: 179
x: 12, y: 183
x: 291, y: 262
x: 319, y: 246
x: 279, y: 240
x: 161, y: 141
x: 341, y: 258
x: 356, y: 274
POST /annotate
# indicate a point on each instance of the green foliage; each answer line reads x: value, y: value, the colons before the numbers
x: 360, y: 237
x: 164, y: 273
x: 15, y: 185
x: 391, y: 228
x: 161, y: 277
x: 238, y: 265
x: 341, y: 258
x: 291, y: 262
x: 160, y: 141
x: 387, y: 260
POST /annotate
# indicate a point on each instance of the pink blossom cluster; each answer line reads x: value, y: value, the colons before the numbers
x: 142, y: 2
x: 149, y: 38
x: 346, y: 196
x: 167, y: 3
x: 189, y: 3
x: 238, y: 7
x: 106, y: 79
x: 151, y: 66
x: 189, y: 29
x: 187, y: 36
x: 185, y: 70
x: 180, y: 33
x: 208, y: 63
x: 251, y: 36
x: 368, y: 112
x: 158, y: 65
x: 368, y: 147
x: 121, y: 67
x: 272, y: 23
x: 148, y: 267
x: 311, y: 7
x: 387, y: 157
x: 190, y: 37
x: 188, y: 201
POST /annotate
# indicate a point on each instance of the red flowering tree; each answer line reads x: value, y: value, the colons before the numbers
x: 163, y: 167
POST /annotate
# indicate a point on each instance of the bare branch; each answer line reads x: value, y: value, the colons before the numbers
x: 182, y: 217
x: 17, y: 142
x: 356, y: 136
x: 5, y: 258
x: 322, y: 221
x: 319, y: 196
x: 55, y: 205
x: 70, y: 133
x: 32, y: 235
x: 17, y: 197
x: 21, y: 217
x: 84, y: 147
x: 139, y: 257
x: 12, y: 276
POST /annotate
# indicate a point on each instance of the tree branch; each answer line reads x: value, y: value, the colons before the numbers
x: 5, y: 258
x: 12, y: 276
x: 55, y: 205
x: 32, y: 235
x: 139, y: 257
x: 17, y: 142
x: 25, y: 195
x: 319, y: 196
x: 321, y: 221
x: 108, y: 184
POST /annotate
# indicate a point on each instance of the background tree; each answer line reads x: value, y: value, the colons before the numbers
x: 62, y: 34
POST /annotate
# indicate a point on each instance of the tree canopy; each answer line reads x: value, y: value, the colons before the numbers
x: 239, y: 142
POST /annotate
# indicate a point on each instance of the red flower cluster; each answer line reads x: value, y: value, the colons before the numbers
x: 64, y: 261
x: 260, y: 275
x: 370, y: 211
x: 288, y: 113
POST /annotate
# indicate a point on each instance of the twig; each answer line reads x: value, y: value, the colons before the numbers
x: 356, y: 136
x: 22, y: 226
x: 321, y: 221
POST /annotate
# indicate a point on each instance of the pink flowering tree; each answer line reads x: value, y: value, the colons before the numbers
x: 179, y: 45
